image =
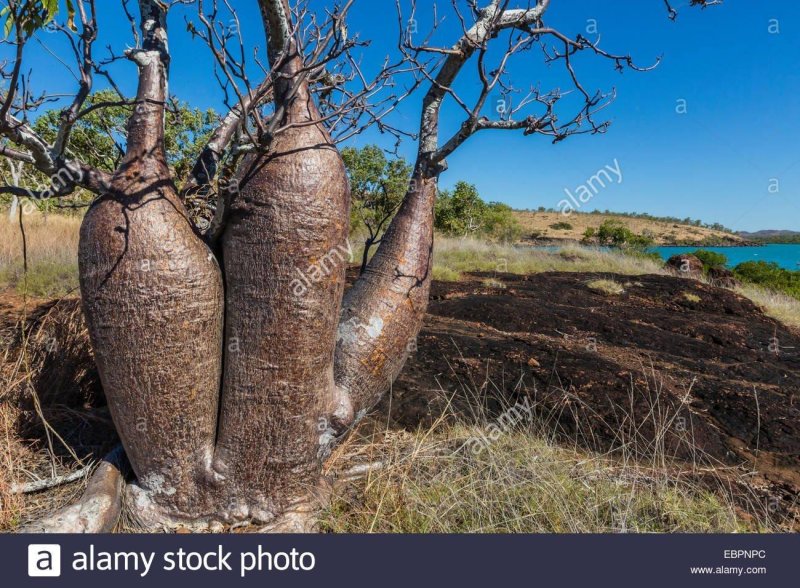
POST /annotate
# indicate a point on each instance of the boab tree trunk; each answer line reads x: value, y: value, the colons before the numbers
x: 285, y: 251
x: 298, y: 373
x: 382, y: 313
x: 152, y: 297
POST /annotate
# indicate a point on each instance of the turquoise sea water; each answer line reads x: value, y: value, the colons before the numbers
x: 785, y: 255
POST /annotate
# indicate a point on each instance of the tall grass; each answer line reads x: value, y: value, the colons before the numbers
x: 532, y: 479
x: 521, y: 484
x: 778, y: 305
x: 52, y: 253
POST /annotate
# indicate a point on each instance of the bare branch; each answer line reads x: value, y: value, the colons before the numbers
x: 525, y: 27
x: 16, y: 155
x: 66, y: 175
x: 146, y: 124
x: 673, y: 14
x: 70, y: 116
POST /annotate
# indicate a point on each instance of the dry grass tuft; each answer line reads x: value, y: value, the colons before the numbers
x: 779, y: 306
x: 606, y: 287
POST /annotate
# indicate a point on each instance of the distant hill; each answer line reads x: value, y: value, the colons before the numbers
x: 554, y: 226
x: 771, y: 236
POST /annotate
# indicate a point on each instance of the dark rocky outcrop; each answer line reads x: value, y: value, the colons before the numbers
x: 722, y: 277
x: 685, y: 265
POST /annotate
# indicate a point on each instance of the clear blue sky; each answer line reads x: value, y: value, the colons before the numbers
x: 716, y: 162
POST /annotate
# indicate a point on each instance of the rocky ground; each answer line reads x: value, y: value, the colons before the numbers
x: 669, y: 368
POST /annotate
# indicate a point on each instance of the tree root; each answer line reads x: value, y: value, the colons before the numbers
x: 47, y: 483
x: 297, y: 516
x: 99, y: 507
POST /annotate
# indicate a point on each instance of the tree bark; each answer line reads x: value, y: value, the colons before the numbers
x: 285, y: 253
x: 153, y: 299
x: 383, y: 311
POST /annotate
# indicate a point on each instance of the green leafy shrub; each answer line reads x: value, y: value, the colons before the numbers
x: 613, y: 233
x: 500, y: 223
x: 459, y: 212
x: 770, y: 275
x: 710, y: 259
x: 377, y: 187
x: 462, y: 213
x: 561, y: 226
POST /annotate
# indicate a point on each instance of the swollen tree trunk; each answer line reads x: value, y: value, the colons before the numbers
x: 244, y: 443
x: 152, y: 297
x: 285, y: 253
x: 382, y: 313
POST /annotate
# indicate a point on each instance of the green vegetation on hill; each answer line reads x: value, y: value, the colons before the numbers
x: 652, y: 217
x: 772, y: 236
x: 782, y: 239
x: 555, y: 226
x: 462, y: 213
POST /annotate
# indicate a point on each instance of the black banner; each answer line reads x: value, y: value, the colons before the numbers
x: 405, y: 561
